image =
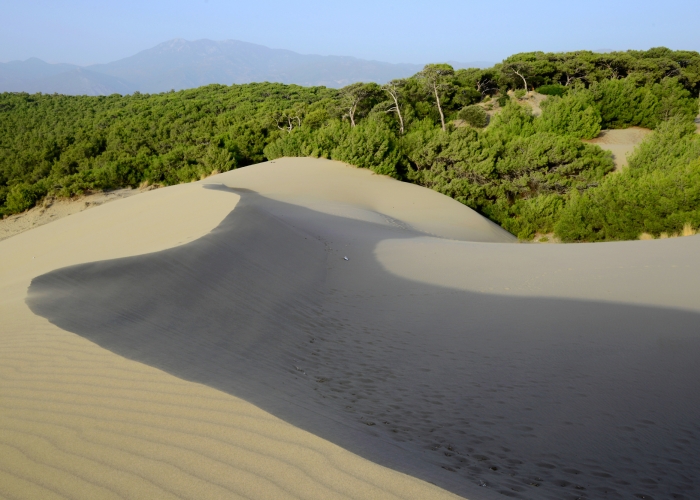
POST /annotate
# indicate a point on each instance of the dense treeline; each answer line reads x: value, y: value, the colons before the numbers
x: 536, y: 69
x: 67, y: 145
x: 530, y: 174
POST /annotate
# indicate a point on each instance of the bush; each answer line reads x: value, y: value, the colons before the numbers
x: 503, y: 99
x: 73, y: 144
x: 553, y: 90
x: 474, y: 115
x: 371, y: 144
x: 532, y: 215
x: 513, y: 120
x: 575, y: 114
x: 624, y: 102
x: 519, y: 93
x: 20, y: 198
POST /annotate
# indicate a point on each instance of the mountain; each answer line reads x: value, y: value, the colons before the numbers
x: 81, y: 82
x: 181, y: 64
x: 35, y: 75
x: 16, y: 76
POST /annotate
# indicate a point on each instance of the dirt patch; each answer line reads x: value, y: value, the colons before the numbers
x: 620, y: 142
x: 534, y: 100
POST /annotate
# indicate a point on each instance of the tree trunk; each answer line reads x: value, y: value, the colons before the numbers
x: 524, y: 81
x: 437, y: 99
x: 352, y: 114
x: 398, y: 109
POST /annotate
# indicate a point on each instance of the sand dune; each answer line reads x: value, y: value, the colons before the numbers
x: 438, y: 349
x: 77, y: 421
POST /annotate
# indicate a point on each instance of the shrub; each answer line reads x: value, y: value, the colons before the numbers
x: 20, y: 198
x: 513, y: 120
x: 554, y: 90
x: 532, y: 215
x: 513, y: 175
x: 474, y: 115
x: 371, y: 144
x: 625, y: 102
x: 575, y: 114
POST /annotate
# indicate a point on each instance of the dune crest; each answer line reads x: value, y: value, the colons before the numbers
x: 352, y: 306
x: 77, y: 421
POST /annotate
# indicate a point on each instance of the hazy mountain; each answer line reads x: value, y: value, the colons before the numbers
x: 80, y: 81
x: 181, y: 64
x: 35, y: 75
x: 15, y: 76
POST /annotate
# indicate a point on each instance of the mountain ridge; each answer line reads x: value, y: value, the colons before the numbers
x: 179, y: 64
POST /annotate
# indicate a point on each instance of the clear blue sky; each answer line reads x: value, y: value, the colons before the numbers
x: 90, y: 31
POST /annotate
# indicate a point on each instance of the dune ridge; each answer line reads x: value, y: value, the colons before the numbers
x: 77, y: 421
x: 438, y: 349
x: 573, y: 374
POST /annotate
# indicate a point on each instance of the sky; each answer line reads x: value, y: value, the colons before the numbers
x: 89, y: 31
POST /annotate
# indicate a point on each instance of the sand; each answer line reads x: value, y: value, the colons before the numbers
x: 77, y: 421
x: 534, y: 100
x: 52, y: 209
x: 441, y: 351
x: 620, y: 142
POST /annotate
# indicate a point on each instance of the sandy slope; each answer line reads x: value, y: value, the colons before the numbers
x: 439, y: 348
x: 77, y: 421
x: 53, y: 209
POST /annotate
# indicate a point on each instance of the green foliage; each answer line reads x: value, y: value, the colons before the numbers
x: 371, y: 144
x: 503, y: 99
x: 532, y: 215
x: 68, y: 145
x: 513, y: 120
x: 647, y: 67
x: 358, y: 99
x: 626, y: 102
x: 553, y: 89
x: 575, y: 114
x: 504, y: 171
x: 658, y: 192
x: 623, y: 103
x: 474, y: 115
x: 436, y: 80
x: 20, y: 198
